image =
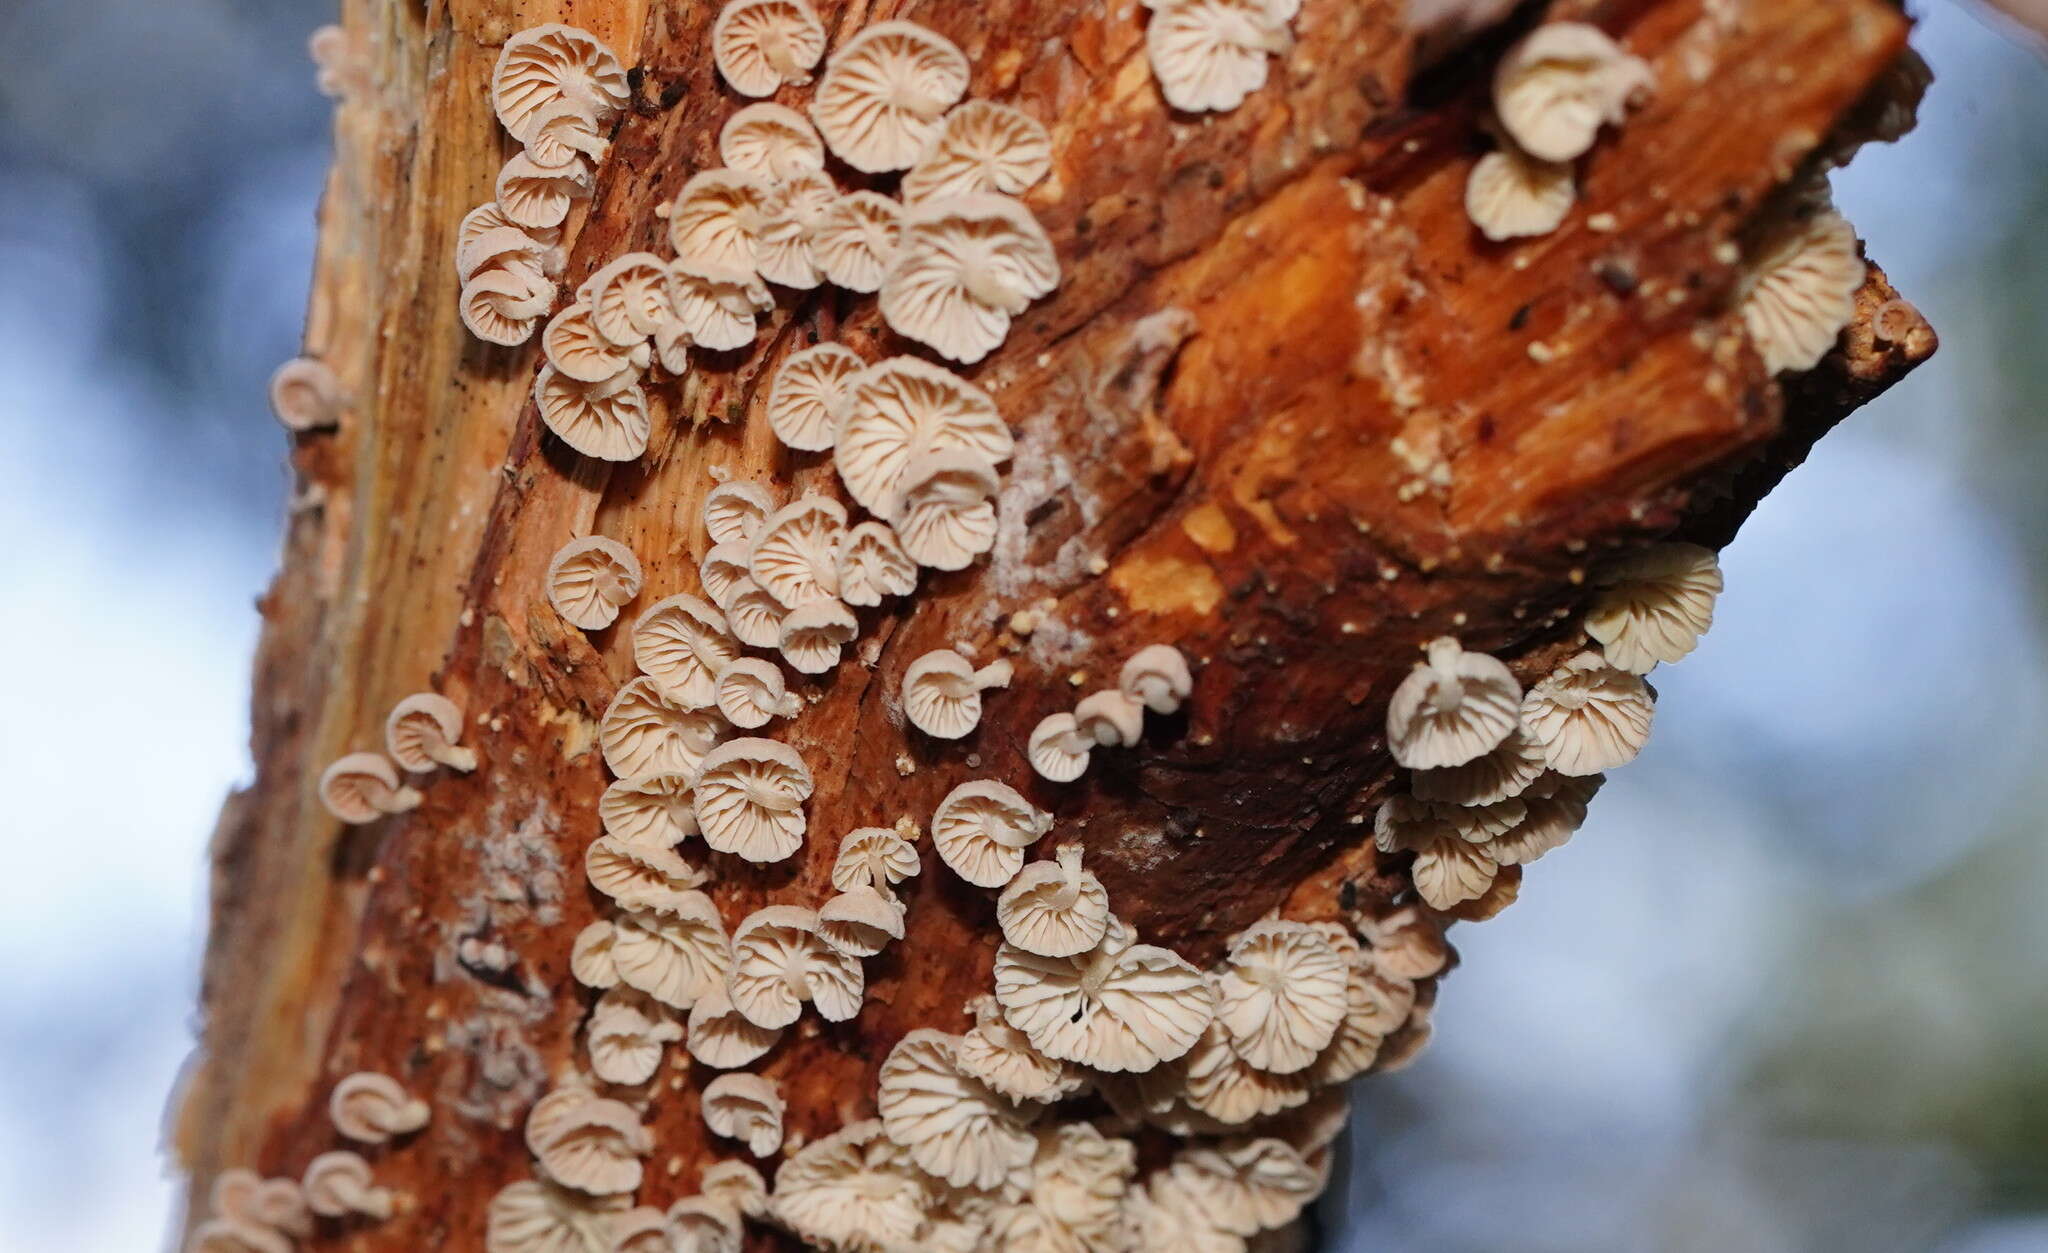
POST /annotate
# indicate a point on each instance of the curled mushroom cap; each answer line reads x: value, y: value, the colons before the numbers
x: 1257, y: 1183
x: 1403, y: 822
x: 855, y: 240
x: 750, y: 798
x: 1211, y: 54
x: 247, y: 1197
x: 625, y: 1035
x: 723, y: 572
x: 746, y: 1108
x: 235, y: 1235
x: 1001, y: 1057
x: 761, y: 44
x: 734, y: 511
x: 751, y: 694
x: 715, y: 304
x: 942, y: 692
x: 779, y: 962
x: 640, y: 876
x: 884, y: 93
x: 362, y: 787
x: 737, y: 1186
x: 855, y: 1188
x: 644, y: 732
x: 1554, y: 809
x: 964, y: 267
x: 982, y: 828
x: 809, y: 392
x: 563, y: 134
x: 1118, y: 1007
x: 1588, y: 715
x: 1563, y: 81
x: 945, y: 508
x: 588, y: 1142
x: 1374, y: 1005
x: 954, y: 1127
x: 676, y: 954
x: 1054, y: 908
x: 370, y: 1108
x: 1653, y: 607
x: 1058, y: 749
x: 1495, y: 775
x: 1281, y: 995
x: 1798, y: 288
x: 339, y: 1183
x: 628, y: 298
x: 1404, y: 943
x: 681, y: 643
x: 551, y: 64
x: 860, y: 922
x: 814, y: 634
x: 1448, y: 869
x: 422, y: 731
x: 795, y: 554
x: 486, y: 235
x: 793, y: 211
x: 771, y: 142
x: 537, y: 1216
x: 650, y: 810
x: 1225, y: 1087
x: 305, y: 394
x: 1112, y: 719
x: 721, y: 1037
x: 537, y: 197
x: 902, y: 408
x: 872, y: 565
x: 605, y: 420
x: 590, y: 956
x: 717, y: 219
x: 642, y: 1229
x: 1511, y: 195
x: 756, y: 617
x: 982, y: 147
x: 1157, y: 677
x: 702, y: 1224
x: 590, y: 578
x: 503, y: 306
x: 1451, y: 708
x: 873, y: 857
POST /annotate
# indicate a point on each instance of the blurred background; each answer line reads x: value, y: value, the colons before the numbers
x: 1787, y: 991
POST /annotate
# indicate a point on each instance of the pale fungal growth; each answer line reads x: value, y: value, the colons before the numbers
x: 1110, y: 718
x: 735, y: 1185
x: 860, y: 922
x: 942, y: 692
x: 1059, y: 749
x: 590, y: 956
x: 1451, y: 708
x: 750, y: 796
x: 809, y: 393
x: 625, y: 1035
x: 672, y: 344
x: 795, y: 554
x: 1555, y: 89
x: 676, y: 954
x: 1157, y: 677
x: 1405, y: 944
x: 423, y: 731
x: 1589, y: 715
x: 755, y: 616
x: 1001, y: 1057
x: 734, y: 511
x: 1261, y: 1183
x: 538, y: 197
x: 588, y: 1142
x: 335, y: 69
x: 982, y: 147
x: 338, y: 1184
x: 363, y: 787
x: 794, y: 210
x: 716, y: 221
x: 746, y: 1108
x: 1451, y: 863
x: 305, y: 395
x: 716, y: 305
x: 486, y: 238
x: 699, y: 1224
x: 1654, y: 606
x: 233, y: 1235
x: 761, y: 44
x: 1798, y: 289
x: 1555, y: 807
x: 643, y: 732
x: 779, y: 962
x: 964, y: 267
x: 650, y: 810
x: 954, y: 1127
x: 883, y: 94
x: 723, y: 572
x: 590, y: 578
x: 553, y: 64
x: 628, y: 298
x: 813, y: 635
x: 902, y: 408
x: 873, y: 857
x: 721, y: 1037
x: 605, y: 420
x: 564, y: 134
x: 1512, y: 195
x: 681, y: 643
x: 981, y: 831
x: 370, y: 1108
x: 1495, y: 775
x: 873, y: 566
x: 1211, y: 54
x: 1075, y: 1200
x: 1054, y: 908
x: 1374, y: 1006
x: 640, y: 1230
x: 773, y: 143
x: 1229, y: 1089
x: 1281, y: 995
x: 855, y: 1188
x: 1118, y: 1007
x: 537, y: 1216
x: 641, y: 876
x: 503, y: 306
x: 855, y: 240
x: 945, y: 511
x: 247, y: 1197
x: 751, y: 694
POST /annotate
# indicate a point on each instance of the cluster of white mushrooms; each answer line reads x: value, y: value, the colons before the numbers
x: 1209, y: 55
x: 422, y: 733
x: 1156, y: 678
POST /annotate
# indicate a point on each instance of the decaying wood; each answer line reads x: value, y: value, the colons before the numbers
x: 1286, y: 410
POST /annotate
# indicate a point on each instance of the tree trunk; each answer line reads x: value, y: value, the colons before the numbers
x: 1286, y: 410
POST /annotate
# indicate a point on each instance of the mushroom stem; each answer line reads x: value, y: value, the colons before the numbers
x: 398, y: 800
x: 995, y: 674
x: 455, y: 757
x: 775, y: 50
x: 992, y: 286
x: 371, y: 1202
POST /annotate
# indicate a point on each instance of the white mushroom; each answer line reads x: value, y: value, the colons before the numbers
x: 1221, y: 1084
x: 1555, y: 808
x: 339, y: 1183
x: 1157, y: 677
x: 590, y: 578
x: 1511, y: 195
x: 779, y: 962
x: 1118, y: 1007
x: 734, y: 511
x: 746, y: 1108
x: 716, y: 220
x: 1405, y: 943
x: 721, y: 1037
x: 605, y: 420
x: 795, y: 554
x: 1448, y: 869
x: 245, y: 1196
x: 1110, y: 718
x: 982, y: 828
x: 1058, y: 748
x: 855, y: 1188
x: 545, y: 65
x: 750, y: 798
x: 305, y: 394
x: 883, y: 94
x: 814, y: 634
x: 756, y: 617
x: 681, y: 643
x: 536, y: 1216
x: 538, y: 197
x: 1555, y: 88
x: 793, y: 212
x: 231, y: 1235
x: 716, y: 305
x: 577, y: 350
x: 1211, y: 54
x: 723, y: 572
x: 676, y: 954
x: 1798, y: 288
x: 1588, y: 715
x: 641, y: 876
x: 872, y: 565
x: 642, y: 1229
x: 588, y: 1142
x: 1054, y: 908
x: 942, y: 692
x: 1451, y: 708
x: 363, y: 787
x: 964, y: 267
x: 650, y: 810
x: 563, y: 134
x: 1495, y: 775
x: 672, y: 343
x: 737, y: 1186
x: 370, y: 1108
x: 809, y: 393
x: 625, y: 1035
x: 1281, y: 995
x: 873, y: 857
x: 954, y: 1127
x: 628, y: 298
x: 856, y: 239
x: 504, y: 305
x: 1654, y: 606
x: 901, y: 408
x: 1002, y: 1057
x: 700, y: 1224
x: 1261, y: 1181
x: 424, y: 730
x: 761, y: 44
x: 981, y: 147
x: 945, y: 509
x: 771, y: 142
x: 751, y: 694
x: 860, y: 922
x: 485, y: 236
x: 1374, y: 1005
x: 644, y: 732
x: 590, y: 956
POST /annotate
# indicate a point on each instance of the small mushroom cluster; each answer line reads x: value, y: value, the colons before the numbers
x: 422, y: 732
x: 1208, y: 55
x: 1799, y: 282
x: 306, y: 395
x: 1156, y: 678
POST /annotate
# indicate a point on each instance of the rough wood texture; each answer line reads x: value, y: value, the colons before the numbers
x: 1286, y: 410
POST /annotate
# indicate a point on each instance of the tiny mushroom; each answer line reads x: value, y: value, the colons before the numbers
x: 1223, y: 1085
x: 809, y: 391
x: 942, y: 692
x: 761, y: 44
x: 771, y: 142
x: 578, y: 350
x: 1495, y: 775
x: 1281, y: 995
x: 717, y: 305
x: 1451, y: 863
x: 884, y: 93
x: 873, y: 857
x: 1118, y: 1007
x: 721, y: 1037
x: 590, y: 578
x: 853, y: 1189
x: 1798, y: 288
x: 370, y: 1108
x: 814, y: 634
x: 1654, y: 606
x: 873, y: 566
x: 1511, y: 195
x: 640, y: 876
x: 795, y: 554
x: 1555, y: 88
x: 1589, y: 715
x: 629, y: 298
x: 793, y: 210
x: 1555, y: 807
x: 607, y: 421
x: 1157, y: 677
x: 982, y: 828
x: 716, y: 221
x: 504, y: 305
x: 681, y: 643
x: 982, y: 147
x: 901, y: 408
x: 563, y: 134
x: 750, y: 798
x: 751, y: 693
x: 953, y: 1126
x: 642, y: 1229
x: 590, y: 956
x: 860, y: 922
x: 734, y: 511
x: 724, y: 572
x: 676, y: 954
x: 964, y: 267
x: 855, y: 240
x: 1211, y: 54
x: 652, y: 810
x: 540, y: 1216
x: 1059, y: 749
x: 756, y: 617
x: 779, y: 962
x: 945, y: 510
x: 747, y: 1108
x: 551, y: 64
x: 362, y: 787
x: 537, y: 197
x: 305, y: 394
x: 588, y: 1142
x: 644, y: 732
x: 1452, y: 707
x: 234, y: 1235
x: 1054, y: 908
x: 737, y: 1185
x: 702, y: 1224
x: 1111, y: 718
x: 339, y: 1183
x: 245, y: 1196
x: 1001, y: 1056
x: 423, y: 731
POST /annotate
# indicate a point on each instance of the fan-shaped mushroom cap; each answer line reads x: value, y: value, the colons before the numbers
x: 1403, y: 822
x: 1211, y: 54
x: 902, y: 408
x: 1449, y: 871
x: 1223, y: 1086
x: 503, y: 306
x: 982, y: 828
x: 720, y: 1035
x: 1261, y: 1181
x: 232, y: 1235
x: 605, y: 420
x: 628, y: 298
x: 1555, y: 88
x: 1373, y: 1006
x: 1157, y: 677
x: 1405, y: 943
x: 590, y: 578
x: 562, y: 134
x: 1110, y: 718
x: 771, y: 142
x: 536, y: 1216
x: 750, y: 798
x: 737, y: 1186
x: 813, y: 635
x: 545, y: 65
x: 716, y: 221
x: 370, y: 1108
x: 855, y: 1188
x: 1001, y: 1057
x: 538, y: 197
x: 860, y: 922
x: 644, y: 732
x: 734, y: 511
x: 779, y: 962
x: 1281, y: 995
x: 809, y: 393
x: 1798, y: 289
x: 588, y: 1142
x: 1512, y: 195
x: 421, y: 733
x: 1495, y: 775
x: 872, y: 565
x: 643, y: 1229
x: 675, y: 955
x: 701, y: 1224
x: 751, y: 694
x: 793, y: 211
x: 981, y: 148
x: 964, y: 267
x: 305, y: 395
x: 715, y: 305
x: 1654, y: 606
x: 856, y: 239
x: 755, y: 616
x: 651, y: 810
x: 640, y: 876
x: 1054, y: 908
x: 945, y: 512
x: 625, y: 1034
x: 1451, y: 708
x: 795, y: 554
x: 873, y: 857
x: 1556, y: 807
x: 1588, y: 716
x: 746, y: 1108
x: 1058, y: 750
x: 681, y: 643
x: 590, y: 957
x: 884, y: 93
x: 247, y: 1197
x: 339, y: 1183
x: 1161, y: 1219
x: 942, y: 692
x: 485, y: 235
x: 761, y: 44
x: 362, y: 787
x: 1117, y: 1007
x: 954, y: 1127
x: 723, y: 572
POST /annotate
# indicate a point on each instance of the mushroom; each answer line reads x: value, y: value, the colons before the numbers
x: 337, y: 71
x: 721, y: 1037
x: 945, y: 513
x: 756, y: 617
x: 882, y: 95
x: 723, y: 572
x: 901, y: 408
x: 1405, y: 943
x: 538, y: 197
x: 676, y: 954
x: 628, y: 298
x: 855, y: 1188
x: 1227, y: 1088
x: 1588, y: 715
x: 734, y: 511
x: 779, y: 962
x: 795, y: 554
x: 809, y: 393
x: 1373, y: 1006
x: 588, y: 1142
x: 363, y: 787
x: 964, y: 267
x: 642, y: 1229
x: 982, y: 828
x: 590, y: 956
x: 813, y: 635
x: 1451, y: 708
x: 700, y: 1224
x: 1118, y: 1007
x: 422, y: 732
x: 1259, y: 1181
x: 650, y: 810
x: 644, y: 732
x: 1654, y: 606
x: 590, y: 578
x: 1281, y: 995
x: 1110, y: 718
x: 1211, y: 54
x: 716, y: 222
x: 1157, y: 677
x: 503, y: 305
x: 737, y: 1186
x: 1798, y: 287
x: 860, y: 922
x: 246, y: 1197
x: 562, y: 134
x: 715, y: 304
x: 746, y: 1108
x: 873, y: 857
x: 1556, y: 87
x: 1001, y: 1057
x: 339, y: 1183
x: 856, y: 238
x: 761, y: 44
x: 751, y: 694
x: 872, y: 565
x: 773, y: 143
x: 793, y: 211
x: 954, y: 1127
x: 545, y: 65
x: 370, y: 1108
x: 1054, y: 908
x: 1059, y: 749
x: 942, y: 692
x: 1495, y: 775
x: 485, y: 235
x: 625, y: 1035
x: 537, y: 1216
x: 1555, y: 809
x: 672, y: 344
x: 1449, y: 868
x: 640, y: 876
x: 1404, y: 822
x: 981, y: 147
x: 681, y: 643
x: 750, y: 798
x: 1511, y: 195
x: 231, y: 1235
x: 305, y: 394
x: 607, y: 421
